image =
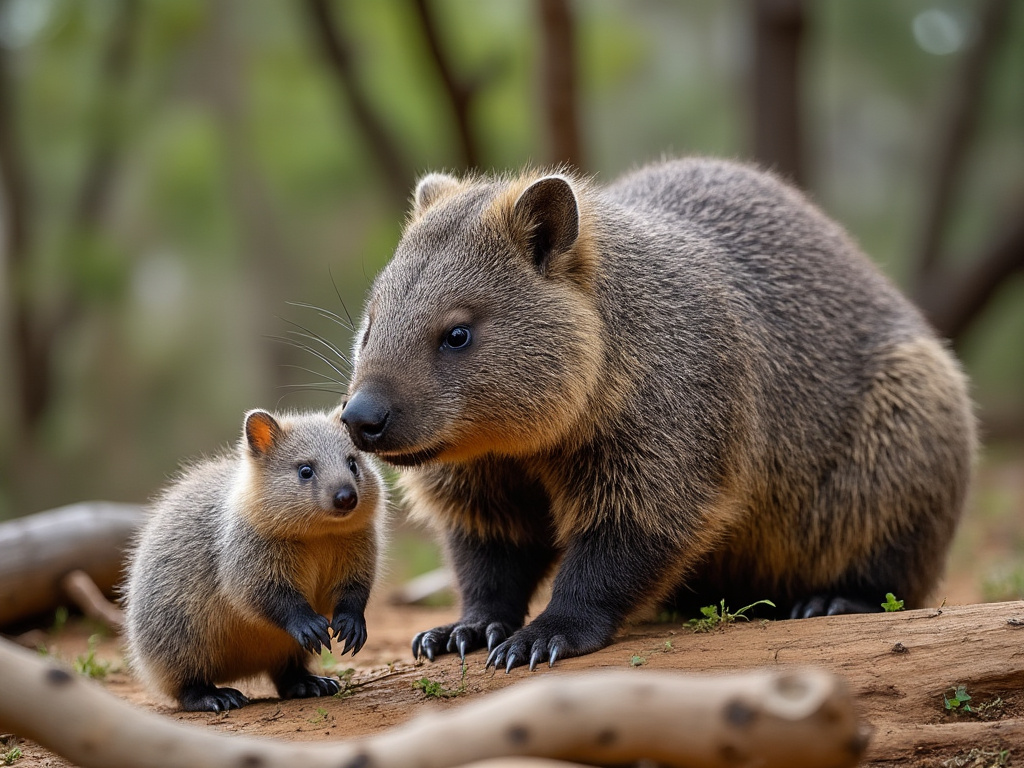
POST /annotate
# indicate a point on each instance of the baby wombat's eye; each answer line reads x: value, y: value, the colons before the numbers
x: 353, y: 467
x: 457, y: 338
x: 306, y: 471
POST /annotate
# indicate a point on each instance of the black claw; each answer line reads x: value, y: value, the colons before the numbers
x: 416, y: 646
x: 492, y: 660
x: 534, y: 658
x: 428, y: 651
x: 511, y: 662
x: 495, y: 636
x: 554, y: 655
x: 462, y: 644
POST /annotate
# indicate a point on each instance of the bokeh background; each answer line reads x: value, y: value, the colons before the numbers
x: 173, y: 173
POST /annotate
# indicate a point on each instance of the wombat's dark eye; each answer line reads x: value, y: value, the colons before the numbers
x: 353, y: 467
x: 457, y: 338
x: 306, y: 471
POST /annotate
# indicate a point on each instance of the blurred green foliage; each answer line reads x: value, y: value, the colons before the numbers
x: 241, y: 182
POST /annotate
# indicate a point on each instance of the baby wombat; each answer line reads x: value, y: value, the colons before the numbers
x: 244, y: 557
x: 687, y: 386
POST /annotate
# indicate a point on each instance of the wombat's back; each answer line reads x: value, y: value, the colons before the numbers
x: 860, y: 432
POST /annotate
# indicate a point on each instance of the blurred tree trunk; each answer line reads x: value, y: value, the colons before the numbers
x: 458, y: 92
x: 33, y: 328
x: 260, y: 235
x: 559, y: 81
x: 952, y: 299
x: 778, y: 39
x: 30, y: 366
x: 118, y: 63
x: 385, y: 148
x: 955, y: 130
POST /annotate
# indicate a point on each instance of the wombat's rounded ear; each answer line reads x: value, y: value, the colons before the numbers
x: 430, y: 189
x: 261, y: 432
x: 548, y: 210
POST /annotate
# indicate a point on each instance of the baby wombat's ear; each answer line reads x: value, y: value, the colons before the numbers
x: 430, y: 189
x: 548, y: 211
x: 261, y: 432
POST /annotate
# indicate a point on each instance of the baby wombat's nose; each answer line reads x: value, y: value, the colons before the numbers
x: 366, y: 416
x: 346, y: 498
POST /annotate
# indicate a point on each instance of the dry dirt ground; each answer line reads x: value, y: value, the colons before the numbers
x: 898, y: 667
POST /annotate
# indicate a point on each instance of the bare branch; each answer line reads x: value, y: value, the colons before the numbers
x: 952, y: 301
x: 84, y: 592
x: 778, y: 37
x: 794, y: 718
x: 559, y: 81
x: 338, y: 56
x: 956, y: 129
x: 459, y: 93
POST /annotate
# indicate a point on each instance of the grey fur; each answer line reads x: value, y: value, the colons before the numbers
x: 231, y: 530
x: 712, y: 375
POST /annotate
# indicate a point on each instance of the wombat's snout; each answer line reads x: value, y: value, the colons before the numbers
x: 366, y: 416
x: 346, y: 498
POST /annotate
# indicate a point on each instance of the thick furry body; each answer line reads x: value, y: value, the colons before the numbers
x: 687, y: 386
x: 242, y: 559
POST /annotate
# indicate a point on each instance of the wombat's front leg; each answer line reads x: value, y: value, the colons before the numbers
x: 349, y: 621
x: 604, y: 575
x: 496, y: 579
x: 284, y: 606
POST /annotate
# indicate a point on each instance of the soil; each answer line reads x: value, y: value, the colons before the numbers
x: 898, y: 667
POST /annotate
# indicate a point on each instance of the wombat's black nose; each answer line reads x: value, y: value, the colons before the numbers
x: 346, y: 498
x: 366, y: 416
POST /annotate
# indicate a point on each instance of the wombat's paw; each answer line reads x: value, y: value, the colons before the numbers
x: 309, y: 686
x: 831, y: 605
x: 460, y: 638
x: 545, y: 641
x: 350, y: 627
x: 207, y: 698
x: 310, y: 633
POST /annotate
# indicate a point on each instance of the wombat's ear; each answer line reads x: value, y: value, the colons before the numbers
x: 548, y: 210
x: 430, y: 189
x: 261, y: 432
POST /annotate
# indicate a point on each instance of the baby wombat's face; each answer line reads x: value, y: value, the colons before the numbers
x: 481, y: 333
x: 304, y: 473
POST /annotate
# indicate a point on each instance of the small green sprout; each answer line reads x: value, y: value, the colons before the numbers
x: 637, y: 661
x: 891, y: 604
x: 10, y: 752
x: 668, y: 645
x: 60, y: 620
x: 718, y: 615
x: 87, y: 664
x: 958, y: 702
x: 437, y: 690
x: 322, y: 716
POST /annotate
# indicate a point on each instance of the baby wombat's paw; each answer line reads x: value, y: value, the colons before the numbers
x: 461, y: 637
x: 309, y: 631
x: 350, y: 627
x: 547, y: 638
x: 309, y: 686
x: 832, y: 605
x: 208, y: 698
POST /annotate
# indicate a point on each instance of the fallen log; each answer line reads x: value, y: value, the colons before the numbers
x: 794, y: 718
x: 38, y: 551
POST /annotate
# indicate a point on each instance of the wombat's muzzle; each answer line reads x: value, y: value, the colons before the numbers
x: 366, y: 416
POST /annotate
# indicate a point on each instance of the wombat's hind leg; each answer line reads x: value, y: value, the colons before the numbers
x: 832, y: 605
x: 297, y: 682
x: 201, y: 697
